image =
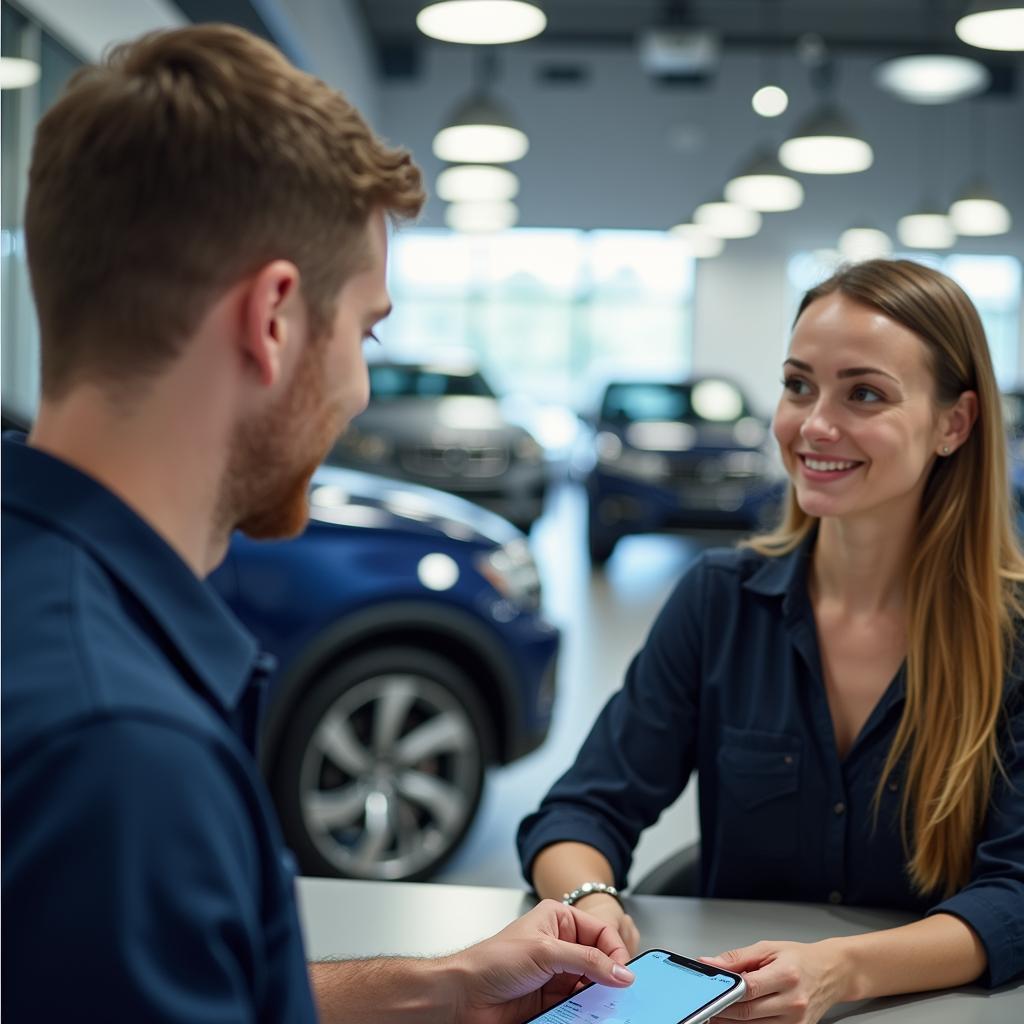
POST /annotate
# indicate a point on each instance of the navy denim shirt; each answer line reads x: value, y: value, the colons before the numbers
x: 730, y: 683
x: 144, y: 877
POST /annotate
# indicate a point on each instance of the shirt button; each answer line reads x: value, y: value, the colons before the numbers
x: 893, y: 786
x: 788, y: 759
x: 835, y: 896
x: 840, y: 807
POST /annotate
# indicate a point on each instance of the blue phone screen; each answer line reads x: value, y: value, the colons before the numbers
x: 665, y: 992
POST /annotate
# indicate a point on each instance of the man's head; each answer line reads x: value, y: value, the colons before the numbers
x: 186, y: 163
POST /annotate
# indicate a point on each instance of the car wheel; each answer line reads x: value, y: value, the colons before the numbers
x: 382, y: 765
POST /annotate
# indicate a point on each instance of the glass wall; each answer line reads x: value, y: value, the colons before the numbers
x: 549, y: 313
x: 21, y: 110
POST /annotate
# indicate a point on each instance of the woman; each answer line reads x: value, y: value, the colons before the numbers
x: 848, y: 687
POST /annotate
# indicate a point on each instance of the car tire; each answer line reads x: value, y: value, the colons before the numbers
x: 381, y: 767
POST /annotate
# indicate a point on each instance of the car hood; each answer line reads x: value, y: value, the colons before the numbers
x: 350, y: 498
x: 674, y: 437
x: 439, y: 420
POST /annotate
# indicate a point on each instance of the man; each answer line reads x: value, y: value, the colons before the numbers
x: 206, y: 229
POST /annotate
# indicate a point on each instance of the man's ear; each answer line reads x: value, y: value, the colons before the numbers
x: 957, y: 421
x: 273, y: 318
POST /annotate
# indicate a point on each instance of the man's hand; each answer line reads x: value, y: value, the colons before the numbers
x: 788, y: 982
x: 534, y: 962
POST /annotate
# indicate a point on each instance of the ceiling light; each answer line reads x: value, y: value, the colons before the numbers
x: 826, y: 143
x: 728, y: 220
x: 932, y: 77
x: 481, y: 217
x: 480, y: 131
x: 18, y: 73
x: 476, y: 183
x: 698, y: 241
x: 927, y: 229
x: 993, y: 25
x: 770, y: 101
x: 977, y: 212
x: 483, y: 22
x: 863, y: 243
x: 765, y: 185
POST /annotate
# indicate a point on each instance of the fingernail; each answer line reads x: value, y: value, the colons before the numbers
x: 621, y: 973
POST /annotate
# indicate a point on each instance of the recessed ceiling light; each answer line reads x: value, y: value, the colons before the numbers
x: 476, y: 183
x: 728, y: 220
x: 933, y: 77
x: 993, y: 25
x: 481, y: 22
x: 770, y: 101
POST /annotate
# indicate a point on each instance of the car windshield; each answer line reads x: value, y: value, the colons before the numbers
x: 715, y: 401
x: 387, y: 382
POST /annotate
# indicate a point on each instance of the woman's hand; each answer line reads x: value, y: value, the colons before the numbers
x: 789, y: 982
x: 608, y: 909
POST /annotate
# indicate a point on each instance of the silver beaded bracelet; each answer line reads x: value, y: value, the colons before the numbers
x: 570, y: 899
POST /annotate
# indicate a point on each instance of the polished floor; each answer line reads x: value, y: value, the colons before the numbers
x: 604, y: 618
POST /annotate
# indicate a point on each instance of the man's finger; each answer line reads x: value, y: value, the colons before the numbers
x: 587, y: 961
x: 593, y: 931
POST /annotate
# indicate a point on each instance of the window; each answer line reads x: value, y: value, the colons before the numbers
x: 545, y: 312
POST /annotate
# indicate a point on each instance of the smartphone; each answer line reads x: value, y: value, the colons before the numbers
x: 669, y: 989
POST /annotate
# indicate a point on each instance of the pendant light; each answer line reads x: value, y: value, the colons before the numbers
x: 765, y: 185
x: 770, y: 99
x: 927, y: 228
x: 698, y: 241
x: 932, y: 77
x: 481, y: 22
x: 481, y: 217
x: 476, y: 183
x: 826, y: 143
x: 727, y: 220
x: 993, y: 25
x: 862, y: 242
x: 480, y: 131
x: 978, y: 213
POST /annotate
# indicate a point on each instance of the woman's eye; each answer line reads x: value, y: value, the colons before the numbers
x: 796, y: 385
x: 865, y: 394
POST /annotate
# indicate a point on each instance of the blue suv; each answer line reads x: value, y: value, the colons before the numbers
x: 411, y: 654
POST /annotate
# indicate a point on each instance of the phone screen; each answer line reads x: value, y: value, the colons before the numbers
x: 669, y: 989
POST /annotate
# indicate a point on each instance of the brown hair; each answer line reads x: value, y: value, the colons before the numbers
x: 185, y: 161
x: 963, y: 582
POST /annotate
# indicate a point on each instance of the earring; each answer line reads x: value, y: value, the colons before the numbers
x: 945, y: 449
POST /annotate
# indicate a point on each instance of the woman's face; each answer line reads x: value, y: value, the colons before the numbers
x: 857, y: 424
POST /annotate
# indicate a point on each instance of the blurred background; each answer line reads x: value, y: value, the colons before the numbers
x: 627, y: 200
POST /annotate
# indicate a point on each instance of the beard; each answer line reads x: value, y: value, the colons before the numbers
x: 273, y: 458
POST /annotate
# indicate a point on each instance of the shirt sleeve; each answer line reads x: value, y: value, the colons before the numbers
x: 641, y: 750
x: 992, y: 903
x: 131, y: 883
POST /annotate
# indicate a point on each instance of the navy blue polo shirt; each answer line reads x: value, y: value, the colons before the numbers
x: 144, y: 876
x: 730, y: 683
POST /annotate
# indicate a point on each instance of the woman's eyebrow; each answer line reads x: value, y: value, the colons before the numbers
x: 853, y: 371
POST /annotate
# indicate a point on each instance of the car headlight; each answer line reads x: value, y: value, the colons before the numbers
x: 367, y: 447
x: 512, y: 572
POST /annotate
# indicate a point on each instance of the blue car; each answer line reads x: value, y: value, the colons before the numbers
x: 411, y: 654
x: 678, y: 455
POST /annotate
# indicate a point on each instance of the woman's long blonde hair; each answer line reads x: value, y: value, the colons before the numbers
x: 963, y: 582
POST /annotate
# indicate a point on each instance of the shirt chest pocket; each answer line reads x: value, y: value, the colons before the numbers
x: 759, y: 784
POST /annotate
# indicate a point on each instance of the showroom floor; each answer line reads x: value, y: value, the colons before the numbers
x: 604, y: 617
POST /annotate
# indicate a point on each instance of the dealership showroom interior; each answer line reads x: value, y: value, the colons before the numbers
x: 659, y: 514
